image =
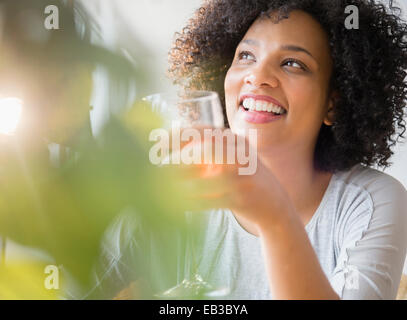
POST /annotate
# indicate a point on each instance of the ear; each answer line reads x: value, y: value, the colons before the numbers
x: 330, y: 113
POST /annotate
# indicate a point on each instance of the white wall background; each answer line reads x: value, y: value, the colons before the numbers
x: 399, y: 167
x: 125, y: 23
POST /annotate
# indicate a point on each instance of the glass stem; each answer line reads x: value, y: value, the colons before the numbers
x: 190, y: 263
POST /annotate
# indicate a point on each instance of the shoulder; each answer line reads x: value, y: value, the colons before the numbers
x: 365, y: 177
x: 371, y: 187
x: 367, y: 199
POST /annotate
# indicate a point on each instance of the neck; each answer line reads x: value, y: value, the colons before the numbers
x: 296, y: 173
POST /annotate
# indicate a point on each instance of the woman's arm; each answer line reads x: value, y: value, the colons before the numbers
x: 293, y: 269
x: 371, y: 241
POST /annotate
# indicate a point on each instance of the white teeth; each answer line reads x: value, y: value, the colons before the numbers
x: 249, y: 104
x: 246, y: 103
x: 254, y: 105
x: 265, y: 106
x: 279, y: 110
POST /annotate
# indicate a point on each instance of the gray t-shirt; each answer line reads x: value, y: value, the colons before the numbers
x: 359, y: 233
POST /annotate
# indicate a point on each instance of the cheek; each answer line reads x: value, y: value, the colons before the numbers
x: 233, y: 82
x: 230, y: 83
x: 306, y: 98
x: 232, y: 87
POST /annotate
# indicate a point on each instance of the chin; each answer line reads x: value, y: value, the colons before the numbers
x: 264, y: 140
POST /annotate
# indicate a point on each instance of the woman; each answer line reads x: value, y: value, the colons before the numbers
x: 314, y: 221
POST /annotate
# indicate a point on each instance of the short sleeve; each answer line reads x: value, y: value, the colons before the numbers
x: 372, y: 245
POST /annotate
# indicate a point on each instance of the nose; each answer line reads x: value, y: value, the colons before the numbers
x: 261, y: 76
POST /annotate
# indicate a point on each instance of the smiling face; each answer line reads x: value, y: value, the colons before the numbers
x: 283, y: 70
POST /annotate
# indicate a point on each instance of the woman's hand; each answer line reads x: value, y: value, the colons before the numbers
x: 258, y: 198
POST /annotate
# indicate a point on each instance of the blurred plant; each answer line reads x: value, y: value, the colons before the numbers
x: 65, y: 208
x: 22, y: 280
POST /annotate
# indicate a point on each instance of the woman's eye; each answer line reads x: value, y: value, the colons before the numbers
x: 245, y: 55
x: 295, y: 64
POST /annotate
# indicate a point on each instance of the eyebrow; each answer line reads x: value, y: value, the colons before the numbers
x: 296, y: 49
x: 250, y: 41
x: 285, y: 47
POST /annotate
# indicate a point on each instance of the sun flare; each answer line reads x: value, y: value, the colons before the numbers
x: 10, y: 113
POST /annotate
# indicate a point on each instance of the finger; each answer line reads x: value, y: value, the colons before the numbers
x: 207, y: 203
x: 205, y: 187
x: 203, y: 171
x: 205, y: 145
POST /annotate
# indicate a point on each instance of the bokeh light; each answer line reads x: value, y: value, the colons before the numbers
x: 10, y: 114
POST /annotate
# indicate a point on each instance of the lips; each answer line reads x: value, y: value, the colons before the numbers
x: 258, y: 117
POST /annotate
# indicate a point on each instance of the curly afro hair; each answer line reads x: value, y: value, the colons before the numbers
x: 369, y: 69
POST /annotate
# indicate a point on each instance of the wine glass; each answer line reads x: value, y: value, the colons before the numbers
x: 186, y: 109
